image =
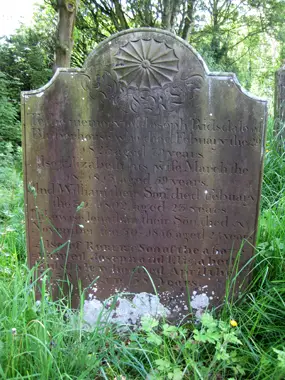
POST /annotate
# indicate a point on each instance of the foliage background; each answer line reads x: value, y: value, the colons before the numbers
x: 242, y: 36
x: 38, y: 340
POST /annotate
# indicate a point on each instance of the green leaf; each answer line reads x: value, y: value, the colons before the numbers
x: 30, y: 314
x: 154, y: 339
x: 221, y: 352
x: 134, y: 337
x: 80, y: 206
x: 207, y: 336
x: 224, y: 326
x: 32, y: 190
x: 162, y: 365
x: 169, y: 331
x: 280, y: 357
x: 223, y: 355
x: 192, y: 345
x: 1, y: 349
x: 231, y: 338
x: 177, y: 374
x: 148, y: 323
x: 208, y: 321
x: 42, y: 247
x: 240, y: 370
x: 59, y: 248
x: 50, y: 223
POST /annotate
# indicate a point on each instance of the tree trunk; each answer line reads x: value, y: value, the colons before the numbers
x: 64, y: 39
x: 170, y: 10
x: 166, y: 14
x: 279, y: 103
x: 176, y: 4
x: 121, y: 15
x: 279, y: 108
x: 188, y: 24
x: 215, y: 42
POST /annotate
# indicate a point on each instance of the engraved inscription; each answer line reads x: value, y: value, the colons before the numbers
x: 166, y: 160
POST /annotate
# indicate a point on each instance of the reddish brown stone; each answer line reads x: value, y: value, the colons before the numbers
x: 167, y: 159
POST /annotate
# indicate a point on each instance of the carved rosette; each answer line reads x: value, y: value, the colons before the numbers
x: 146, y: 64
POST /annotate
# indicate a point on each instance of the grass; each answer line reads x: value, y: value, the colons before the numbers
x: 46, y: 341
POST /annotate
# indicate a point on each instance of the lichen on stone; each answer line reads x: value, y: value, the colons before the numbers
x: 123, y: 311
x: 199, y: 303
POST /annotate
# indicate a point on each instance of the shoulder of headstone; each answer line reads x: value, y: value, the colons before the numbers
x: 39, y: 91
x: 232, y: 76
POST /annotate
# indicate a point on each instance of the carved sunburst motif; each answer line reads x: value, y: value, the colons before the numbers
x: 146, y: 63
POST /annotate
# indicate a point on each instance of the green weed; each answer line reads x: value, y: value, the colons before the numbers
x: 46, y: 340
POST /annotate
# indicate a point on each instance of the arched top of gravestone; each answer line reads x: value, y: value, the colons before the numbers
x: 167, y: 160
x: 147, y: 58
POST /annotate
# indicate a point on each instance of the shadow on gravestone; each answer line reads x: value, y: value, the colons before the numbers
x: 167, y: 158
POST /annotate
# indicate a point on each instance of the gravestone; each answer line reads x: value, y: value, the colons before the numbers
x: 167, y: 159
x: 279, y: 111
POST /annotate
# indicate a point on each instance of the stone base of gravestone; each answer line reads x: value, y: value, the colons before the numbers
x: 165, y: 159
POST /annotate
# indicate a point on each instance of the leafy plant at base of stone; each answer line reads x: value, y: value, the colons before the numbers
x: 210, y: 347
x: 39, y: 338
x: 52, y: 334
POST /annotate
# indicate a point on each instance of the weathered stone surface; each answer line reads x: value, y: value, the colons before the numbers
x: 168, y: 160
